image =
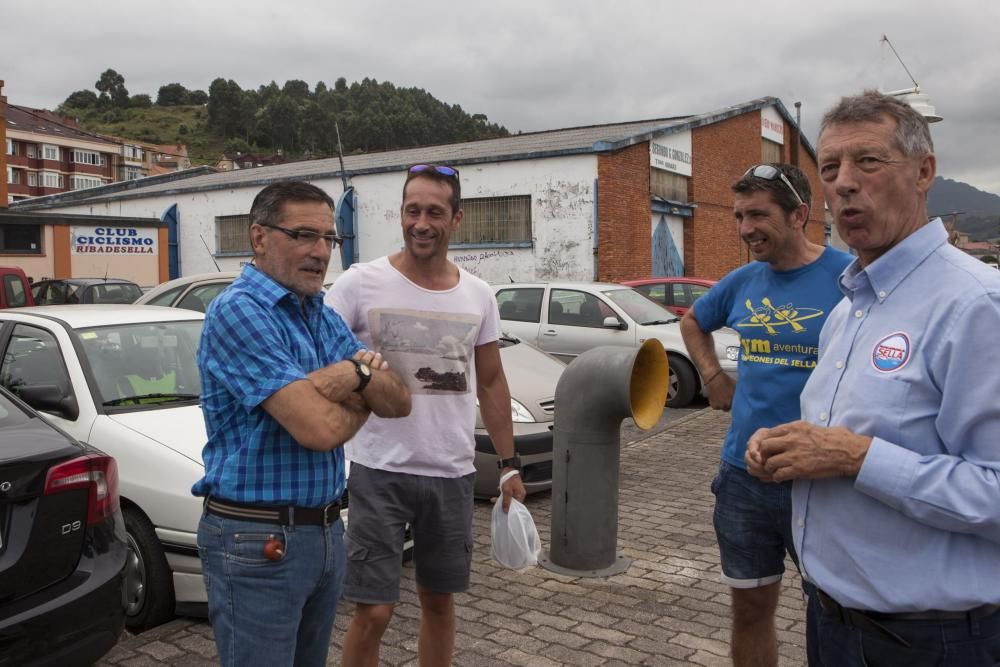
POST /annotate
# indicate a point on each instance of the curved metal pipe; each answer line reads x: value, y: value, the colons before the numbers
x: 596, y: 392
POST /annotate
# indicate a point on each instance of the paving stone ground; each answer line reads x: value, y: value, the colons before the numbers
x: 668, y: 608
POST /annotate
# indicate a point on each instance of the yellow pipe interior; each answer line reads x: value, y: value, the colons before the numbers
x: 648, y: 386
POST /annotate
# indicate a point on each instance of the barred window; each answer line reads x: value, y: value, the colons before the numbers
x: 232, y: 234
x: 495, y: 220
x: 668, y: 185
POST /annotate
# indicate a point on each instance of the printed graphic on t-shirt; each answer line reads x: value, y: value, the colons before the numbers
x: 771, y: 318
x: 429, y: 350
x: 766, y: 321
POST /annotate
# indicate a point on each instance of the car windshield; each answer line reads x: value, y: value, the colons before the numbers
x: 637, y: 306
x: 141, y: 364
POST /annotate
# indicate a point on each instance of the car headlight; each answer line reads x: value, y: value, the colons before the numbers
x: 732, y: 353
x: 519, y: 413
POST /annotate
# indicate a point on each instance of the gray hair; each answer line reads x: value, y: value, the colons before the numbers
x: 267, y: 207
x: 912, y: 136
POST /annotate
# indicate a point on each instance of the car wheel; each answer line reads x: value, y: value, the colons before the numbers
x: 681, y: 383
x: 149, y: 585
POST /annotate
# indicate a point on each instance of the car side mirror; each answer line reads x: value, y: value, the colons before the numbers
x: 613, y: 323
x: 49, y: 398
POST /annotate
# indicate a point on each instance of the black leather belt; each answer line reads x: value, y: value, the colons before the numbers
x: 285, y: 515
x: 870, y: 619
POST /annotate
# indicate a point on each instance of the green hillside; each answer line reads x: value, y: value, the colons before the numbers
x: 296, y: 119
x: 186, y: 124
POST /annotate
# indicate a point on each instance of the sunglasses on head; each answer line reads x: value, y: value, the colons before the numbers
x: 450, y: 172
x: 306, y: 236
x: 769, y: 173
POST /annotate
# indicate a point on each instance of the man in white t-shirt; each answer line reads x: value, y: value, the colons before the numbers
x: 437, y: 326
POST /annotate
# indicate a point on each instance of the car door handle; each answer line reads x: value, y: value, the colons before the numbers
x: 550, y: 332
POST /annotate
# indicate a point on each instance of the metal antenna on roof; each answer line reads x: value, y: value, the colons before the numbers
x: 209, y: 250
x: 340, y: 154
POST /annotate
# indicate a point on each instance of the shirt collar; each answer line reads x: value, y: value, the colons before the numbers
x: 268, y: 290
x: 889, y: 270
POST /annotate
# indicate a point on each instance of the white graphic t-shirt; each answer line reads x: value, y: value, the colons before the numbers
x: 429, y: 338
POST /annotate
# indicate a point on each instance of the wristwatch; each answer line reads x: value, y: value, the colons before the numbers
x: 513, y: 462
x: 364, y: 374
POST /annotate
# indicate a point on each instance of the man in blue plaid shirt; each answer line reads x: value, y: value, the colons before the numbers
x: 284, y: 384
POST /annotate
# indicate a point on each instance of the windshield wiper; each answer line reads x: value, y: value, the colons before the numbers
x: 676, y: 319
x: 151, y: 398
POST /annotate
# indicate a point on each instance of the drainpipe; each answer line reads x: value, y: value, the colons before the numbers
x: 596, y: 392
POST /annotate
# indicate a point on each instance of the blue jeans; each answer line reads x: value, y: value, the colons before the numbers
x: 271, y: 612
x: 753, y: 525
x: 953, y: 643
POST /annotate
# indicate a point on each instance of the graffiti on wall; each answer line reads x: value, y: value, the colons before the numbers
x: 667, y: 260
x: 471, y: 262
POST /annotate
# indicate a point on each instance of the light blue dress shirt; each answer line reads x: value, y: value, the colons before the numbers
x: 911, y: 358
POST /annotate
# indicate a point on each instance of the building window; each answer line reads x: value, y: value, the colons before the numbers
x: 32, y: 179
x: 51, y: 179
x: 50, y: 152
x: 32, y: 151
x: 131, y: 173
x: 10, y: 147
x: 86, y: 157
x: 11, y: 175
x: 232, y: 234
x: 770, y: 151
x: 81, y: 182
x: 668, y: 185
x: 495, y: 220
x: 21, y: 239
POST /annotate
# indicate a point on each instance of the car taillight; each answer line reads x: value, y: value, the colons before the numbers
x: 96, y: 472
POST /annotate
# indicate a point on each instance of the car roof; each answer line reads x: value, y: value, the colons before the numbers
x: 188, y: 280
x: 85, y: 281
x: 567, y: 284
x: 670, y: 279
x: 104, y: 314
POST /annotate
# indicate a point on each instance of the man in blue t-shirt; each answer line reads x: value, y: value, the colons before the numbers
x: 778, y: 305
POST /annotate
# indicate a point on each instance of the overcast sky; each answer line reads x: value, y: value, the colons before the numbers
x: 540, y: 64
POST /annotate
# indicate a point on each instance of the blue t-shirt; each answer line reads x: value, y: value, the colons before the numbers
x: 778, y: 315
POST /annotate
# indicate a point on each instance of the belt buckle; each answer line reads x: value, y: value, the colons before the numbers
x: 326, y: 514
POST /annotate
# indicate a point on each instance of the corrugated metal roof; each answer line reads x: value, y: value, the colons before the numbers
x: 568, y: 141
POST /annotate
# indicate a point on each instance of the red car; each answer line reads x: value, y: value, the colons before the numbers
x: 676, y: 294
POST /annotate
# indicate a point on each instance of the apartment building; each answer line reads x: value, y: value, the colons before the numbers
x: 47, y: 154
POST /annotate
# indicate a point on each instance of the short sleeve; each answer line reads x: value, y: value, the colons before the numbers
x: 247, y: 352
x: 343, y: 296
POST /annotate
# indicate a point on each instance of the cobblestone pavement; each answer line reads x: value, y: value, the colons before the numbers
x: 668, y: 608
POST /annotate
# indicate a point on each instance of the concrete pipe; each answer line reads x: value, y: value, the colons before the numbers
x: 596, y: 392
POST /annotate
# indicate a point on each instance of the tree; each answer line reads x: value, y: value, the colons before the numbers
x: 198, y: 97
x: 172, y: 95
x: 111, y: 85
x: 81, y: 99
x: 224, y: 106
x: 140, y: 101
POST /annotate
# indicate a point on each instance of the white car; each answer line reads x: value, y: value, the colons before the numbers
x: 567, y: 319
x: 124, y: 379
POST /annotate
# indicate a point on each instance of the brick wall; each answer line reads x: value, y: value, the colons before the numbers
x: 624, y: 215
x: 721, y: 152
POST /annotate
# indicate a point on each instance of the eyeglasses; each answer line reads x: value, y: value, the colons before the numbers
x: 769, y: 173
x: 450, y: 172
x: 306, y: 236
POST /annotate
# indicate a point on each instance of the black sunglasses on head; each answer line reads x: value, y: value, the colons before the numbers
x: 769, y: 173
x: 450, y: 172
x: 306, y: 236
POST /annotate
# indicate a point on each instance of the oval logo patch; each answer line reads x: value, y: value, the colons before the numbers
x: 891, y: 353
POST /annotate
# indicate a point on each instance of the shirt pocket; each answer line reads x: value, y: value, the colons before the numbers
x: 874, y: 404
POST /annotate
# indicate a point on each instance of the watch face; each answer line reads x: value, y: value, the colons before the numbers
x: 364, y: 369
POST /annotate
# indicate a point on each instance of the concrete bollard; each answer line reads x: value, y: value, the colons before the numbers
x: 596, y: 392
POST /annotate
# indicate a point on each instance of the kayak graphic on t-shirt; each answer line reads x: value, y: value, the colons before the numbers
x: 429, y: 350
x: 770, y: 317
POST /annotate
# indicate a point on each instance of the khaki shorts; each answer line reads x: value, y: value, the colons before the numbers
x: 380, y: 505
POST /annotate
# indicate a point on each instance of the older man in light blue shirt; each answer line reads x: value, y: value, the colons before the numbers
x: 896, y: 505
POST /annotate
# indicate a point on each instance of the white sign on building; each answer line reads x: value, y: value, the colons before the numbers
x: 671, y: 152
x: 772, y: 125
x: 116, y: 240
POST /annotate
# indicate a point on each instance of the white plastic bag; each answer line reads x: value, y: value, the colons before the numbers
x: 515, y: 539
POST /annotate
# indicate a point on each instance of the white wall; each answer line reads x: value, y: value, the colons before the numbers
x: 562, y: 211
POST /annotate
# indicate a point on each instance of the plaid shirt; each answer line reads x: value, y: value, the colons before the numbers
x: 255, y: 341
